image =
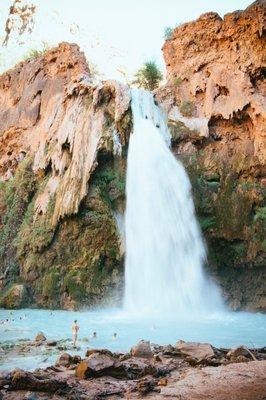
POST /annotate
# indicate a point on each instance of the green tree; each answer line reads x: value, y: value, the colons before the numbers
x: 149, y: 76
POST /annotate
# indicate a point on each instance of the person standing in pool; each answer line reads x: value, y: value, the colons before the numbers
x: 75, y: 329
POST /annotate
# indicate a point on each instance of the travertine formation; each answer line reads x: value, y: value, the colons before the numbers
x: 215, y: 77
x: 56, y: 126
x: 51, y: 108
x: 218, y: 65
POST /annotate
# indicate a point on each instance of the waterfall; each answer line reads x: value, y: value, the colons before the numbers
x: 165, y: 253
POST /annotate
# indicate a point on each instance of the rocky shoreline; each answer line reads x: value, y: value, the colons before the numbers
x: 186, y: 371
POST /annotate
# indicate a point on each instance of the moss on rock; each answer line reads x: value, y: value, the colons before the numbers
x: 15, y: 296
x: 231, y: 213
x: 78, y: 261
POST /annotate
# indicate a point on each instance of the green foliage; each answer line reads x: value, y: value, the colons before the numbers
x: 108, y: 177
x: 168, y: 32
x: 73, y: 284
x: 187, y: 108
x: 35, y: 233
x: 17, y: 194
x: 51, y: 283
x: 33, y: 54
x: 149, y: 76
x: 260, y: 214
x: 206, y: 222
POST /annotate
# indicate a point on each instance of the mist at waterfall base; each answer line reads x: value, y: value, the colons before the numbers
x: 167, y: 294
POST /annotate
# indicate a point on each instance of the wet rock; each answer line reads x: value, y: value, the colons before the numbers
x: 99, y: 351
x: 65, y: 360
x: 22, y: 380
x: 96, y: 364
x: 40, y: 338
x: 171, y: 351
x: 51, y: 343
x: 142, y: 350
x: 5, y: 378
x: 15, y: 297
x: 197, y: 351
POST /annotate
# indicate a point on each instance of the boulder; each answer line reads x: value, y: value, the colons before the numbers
x: 66, y: 359
x: 142, y: 350
x: 40, y: 338
x: 240, y: 351
x: 15, y: 297
x: 22, y: 380
x: 197, y: 351
x: 99, y: 351
x: 51, y: 343
x: 96, y: 364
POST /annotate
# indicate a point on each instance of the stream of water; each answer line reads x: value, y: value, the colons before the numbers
x: 165, y: 253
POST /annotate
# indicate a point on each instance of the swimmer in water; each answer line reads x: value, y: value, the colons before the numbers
x: 94, y: 335
x: 115, y: 336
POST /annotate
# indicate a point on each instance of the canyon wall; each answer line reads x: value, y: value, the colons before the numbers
x: 59, y: 242
x: 215, y: 99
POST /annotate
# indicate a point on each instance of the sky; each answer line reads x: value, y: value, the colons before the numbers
x: 118, y: 36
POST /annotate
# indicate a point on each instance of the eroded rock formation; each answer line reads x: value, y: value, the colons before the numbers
x: 56, y: 126
x: 215, y: 79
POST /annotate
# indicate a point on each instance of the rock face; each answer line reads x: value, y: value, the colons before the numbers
x: 61, y: 179
x: 215, y: 82
x: 15, y: 297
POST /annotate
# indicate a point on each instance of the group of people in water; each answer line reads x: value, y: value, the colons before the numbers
x: 7, y: 321
x: 75, y: 329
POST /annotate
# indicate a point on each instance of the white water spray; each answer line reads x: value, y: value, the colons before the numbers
x: 165, y: 253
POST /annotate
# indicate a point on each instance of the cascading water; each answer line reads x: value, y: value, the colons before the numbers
x: 165, y: 253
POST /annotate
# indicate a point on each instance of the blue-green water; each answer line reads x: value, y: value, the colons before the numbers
x: 228, y: 329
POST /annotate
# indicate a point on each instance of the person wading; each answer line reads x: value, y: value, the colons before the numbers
x: 75, y: 329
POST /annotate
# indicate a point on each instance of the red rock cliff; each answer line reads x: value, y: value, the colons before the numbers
x: 58, y: 233
x: 215, y: 97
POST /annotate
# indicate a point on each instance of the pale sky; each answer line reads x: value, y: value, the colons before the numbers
x: 114, y: 34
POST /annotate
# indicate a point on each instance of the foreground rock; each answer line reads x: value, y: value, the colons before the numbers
x: 234, y: 382
x: 143, y: 350
x: 167, y: 374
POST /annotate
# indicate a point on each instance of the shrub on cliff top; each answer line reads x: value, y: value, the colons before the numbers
x: 168, y: 32
x: 149, y: 76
